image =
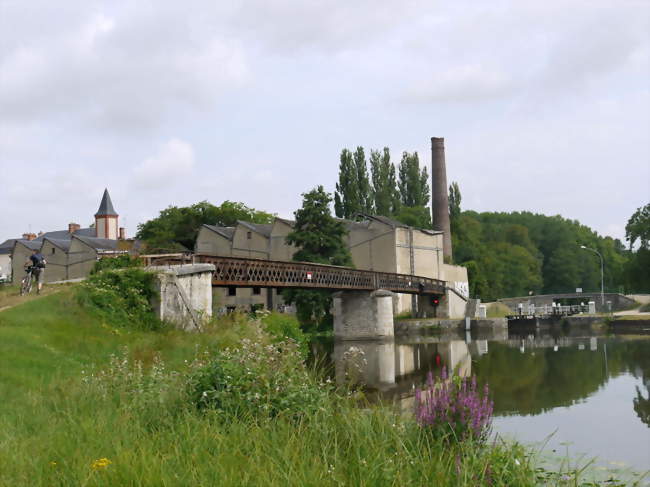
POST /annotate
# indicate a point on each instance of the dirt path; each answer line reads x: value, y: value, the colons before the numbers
x: 11, y: 297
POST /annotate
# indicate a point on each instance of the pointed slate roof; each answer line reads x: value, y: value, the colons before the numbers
x: 106, y: 206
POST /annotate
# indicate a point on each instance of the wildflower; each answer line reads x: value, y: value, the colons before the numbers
x: 100, y: 464
x: 52, y: 464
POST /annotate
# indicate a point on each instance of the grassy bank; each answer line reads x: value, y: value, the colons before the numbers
x: 65, y: 422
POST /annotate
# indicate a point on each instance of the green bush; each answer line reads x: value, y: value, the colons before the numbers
x: 119, y: 262
x: 257, y: 380
x: 281, y: 326
x: 121, y: 297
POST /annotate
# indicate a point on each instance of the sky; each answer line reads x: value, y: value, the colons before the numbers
x: 544, y: 106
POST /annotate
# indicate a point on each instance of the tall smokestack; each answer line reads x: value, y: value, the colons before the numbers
x: 439, y: 198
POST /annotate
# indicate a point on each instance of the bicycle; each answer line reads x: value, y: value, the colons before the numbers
x: 26, y: 283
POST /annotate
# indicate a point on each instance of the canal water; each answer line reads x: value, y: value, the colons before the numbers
x: 580, y: 394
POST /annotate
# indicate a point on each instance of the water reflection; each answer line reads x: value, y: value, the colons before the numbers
x: 566, y: 380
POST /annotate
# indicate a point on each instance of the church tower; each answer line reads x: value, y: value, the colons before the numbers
x: 106, y: 219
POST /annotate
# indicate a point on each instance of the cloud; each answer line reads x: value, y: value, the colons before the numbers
x: 465, y: 83
x: 122, y: 71
x: 174, y: 162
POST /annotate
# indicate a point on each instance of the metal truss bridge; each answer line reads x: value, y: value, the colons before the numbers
x: 243, y: 272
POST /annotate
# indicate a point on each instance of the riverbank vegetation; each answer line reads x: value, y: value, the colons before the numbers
x: 89, y: 403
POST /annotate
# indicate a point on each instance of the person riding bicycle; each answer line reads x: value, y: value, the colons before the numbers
x: 37, y: 263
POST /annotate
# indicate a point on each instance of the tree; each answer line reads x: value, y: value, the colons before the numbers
x: 637, y: 271
x: 363, y: 183
x: 413, y: 183
x: 638, y: 227
x: 454, y: 206
x: 319, y: 238
x: 414, y: 216
x: 384, y: 184
x: 176, y: 228
x: 346, y: 197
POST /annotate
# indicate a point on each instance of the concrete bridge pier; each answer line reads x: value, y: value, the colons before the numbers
x: 362, y: 315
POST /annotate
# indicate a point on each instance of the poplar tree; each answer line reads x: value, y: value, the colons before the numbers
x: 363, y: 183
x: 413, y: 183
x: 346, y: 197
x: 384, y: 185
x: 454, y: 207
x: 319, y: 238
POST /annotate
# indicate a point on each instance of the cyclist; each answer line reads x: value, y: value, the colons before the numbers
x: 37, y: 262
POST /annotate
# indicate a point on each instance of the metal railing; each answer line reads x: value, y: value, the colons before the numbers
x: 244, y: 272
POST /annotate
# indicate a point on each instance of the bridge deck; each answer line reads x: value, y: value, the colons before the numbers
x: 244, y: 272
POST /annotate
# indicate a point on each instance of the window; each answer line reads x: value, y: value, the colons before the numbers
x: 232, y: 291
x: 249, y: 235
x: 257, y: 290
x: 53, y: 249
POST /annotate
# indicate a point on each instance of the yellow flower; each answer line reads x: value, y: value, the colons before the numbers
x: 52, y: 464
x: 100, y: 464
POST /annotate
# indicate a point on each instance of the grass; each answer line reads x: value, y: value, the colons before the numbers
x: 55, y: 426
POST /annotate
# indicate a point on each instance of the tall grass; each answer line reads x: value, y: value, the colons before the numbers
x: 84, y: 403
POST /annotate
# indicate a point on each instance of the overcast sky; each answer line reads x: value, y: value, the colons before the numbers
x: 544, y: 105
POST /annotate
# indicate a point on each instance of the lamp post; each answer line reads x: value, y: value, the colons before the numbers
x: 602, y: 279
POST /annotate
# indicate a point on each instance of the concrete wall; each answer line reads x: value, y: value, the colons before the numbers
x: 210, y: 242
x: 81, y: 259
x: 184, y: 294
x: 19, y: 256
x: 363, y: 314
x: 56, y: 268
x: 279, y: 249
x: 250, y: 244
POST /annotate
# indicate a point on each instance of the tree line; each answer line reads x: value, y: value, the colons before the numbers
x: 401, y: 193
x: 515, y: 253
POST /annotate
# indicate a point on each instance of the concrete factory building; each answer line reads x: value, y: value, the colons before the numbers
x: 376, y: 243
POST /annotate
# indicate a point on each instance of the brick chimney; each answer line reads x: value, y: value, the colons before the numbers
x: 439, y: 197
x: 29, y: 236
x: 73, y: 227
x: 122, y: 233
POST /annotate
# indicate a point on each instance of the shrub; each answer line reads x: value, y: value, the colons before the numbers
x: 453, y: 408
x: 121, y: 297
x: 257, y: 380
x: 120, y: 262
x: 281, y: 326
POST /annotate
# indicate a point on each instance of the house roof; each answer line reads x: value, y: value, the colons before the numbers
x: 291, y: 223
x: 30, y: 244
x: 106, y: 206
x: 65, y: 234
x: 225, y: 232
x: 261, y: 228
x: 98, y: 243
x: 7, y: 245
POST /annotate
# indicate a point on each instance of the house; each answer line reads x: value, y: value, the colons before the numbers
x: 71, y: 253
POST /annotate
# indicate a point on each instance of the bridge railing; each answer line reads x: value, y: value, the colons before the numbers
x: 244, y: 272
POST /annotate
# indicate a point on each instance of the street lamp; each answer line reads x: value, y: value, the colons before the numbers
x: 602, y: 280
